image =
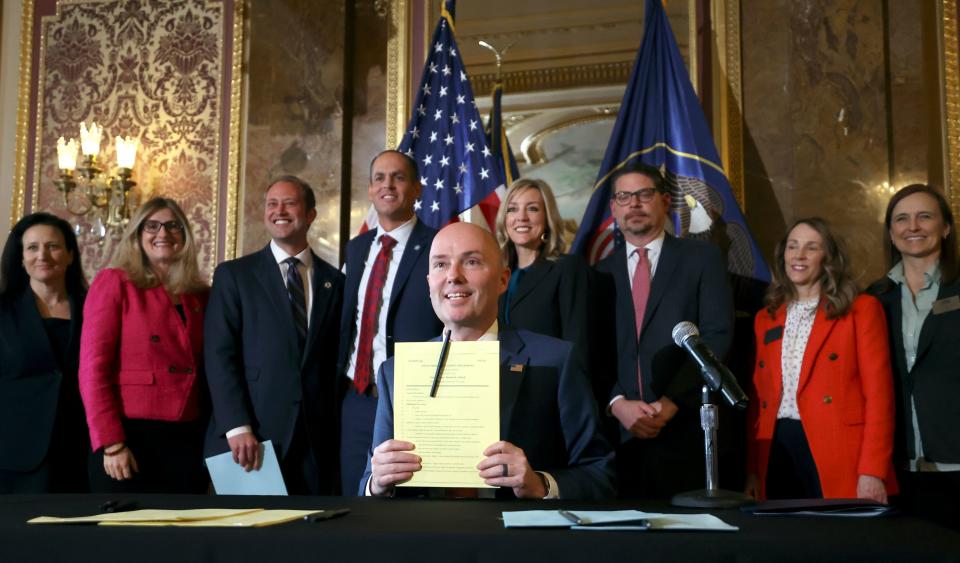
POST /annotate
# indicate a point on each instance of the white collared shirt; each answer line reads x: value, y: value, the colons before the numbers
x: 400, y: 234
x: 654, y: 247
x: 305, y: 268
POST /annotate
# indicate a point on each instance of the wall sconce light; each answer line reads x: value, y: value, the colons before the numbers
x: 88, y: 191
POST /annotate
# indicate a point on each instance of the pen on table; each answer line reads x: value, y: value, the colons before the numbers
x: 572, y: 517
x: 112, y: 506
x: 443, y: 359
x: 326, y: 514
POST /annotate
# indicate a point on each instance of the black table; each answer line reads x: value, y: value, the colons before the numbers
x: 438, y: 530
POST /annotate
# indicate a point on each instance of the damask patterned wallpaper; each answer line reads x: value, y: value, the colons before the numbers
x: 151, y: 69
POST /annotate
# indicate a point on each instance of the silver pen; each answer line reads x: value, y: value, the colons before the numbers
x: 573, y: 518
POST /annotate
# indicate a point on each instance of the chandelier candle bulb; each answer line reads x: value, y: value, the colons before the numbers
x: 126, y: 151
x: 90, y: 139
x: 67, y: 154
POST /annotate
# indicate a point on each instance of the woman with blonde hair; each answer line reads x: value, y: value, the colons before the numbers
x: 820, y: 422
x: 547, y: 292
x: 141, y: 363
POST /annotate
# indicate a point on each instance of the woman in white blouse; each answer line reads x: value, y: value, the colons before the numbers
x: 821, y: 420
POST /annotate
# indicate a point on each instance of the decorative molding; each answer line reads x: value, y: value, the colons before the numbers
x: 398, y: 71
x: 555, y: 78
x: 579, y: 28
x: 951, y: 85
x: 728, y: 93
x: 532, y: 146
x: 231, y: 245
x: 23, y: 112
x: 692, y: 45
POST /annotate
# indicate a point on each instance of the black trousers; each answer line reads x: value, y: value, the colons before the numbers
x: 931, y: 496
x: 169, y: 456
x: 356, y: 434
x: 791, y: 471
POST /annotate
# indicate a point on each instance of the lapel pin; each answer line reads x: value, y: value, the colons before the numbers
x: 516, y: 368
x: 327, y: 285
x: 417, y: 247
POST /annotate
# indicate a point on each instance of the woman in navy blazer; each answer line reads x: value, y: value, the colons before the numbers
x: 43, y: 436
x: 924, y: 274
x: 547, y: 293
x: 141, y: 360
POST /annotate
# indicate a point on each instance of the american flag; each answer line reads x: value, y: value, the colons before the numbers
x: 445, y: 134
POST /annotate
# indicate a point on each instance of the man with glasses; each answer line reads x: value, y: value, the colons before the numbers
x: 270, y: 342
x: 659, y: 281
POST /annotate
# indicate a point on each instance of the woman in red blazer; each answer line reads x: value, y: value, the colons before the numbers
x: 822, y: 416
x: 141, y: 359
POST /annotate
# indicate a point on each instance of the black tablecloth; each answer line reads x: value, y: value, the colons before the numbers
x: 439, y: 530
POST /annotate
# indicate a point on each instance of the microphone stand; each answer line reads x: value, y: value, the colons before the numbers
x: 712, y: 496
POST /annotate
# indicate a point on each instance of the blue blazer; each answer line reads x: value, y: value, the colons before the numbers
x: 690, y: 284
x: 546, y: 409
x: 410, y: 316
x: 255, y: 371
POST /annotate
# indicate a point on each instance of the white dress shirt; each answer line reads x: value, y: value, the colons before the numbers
x: 400, y: 234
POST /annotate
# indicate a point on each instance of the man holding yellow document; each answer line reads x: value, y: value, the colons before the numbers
x: 550, y: 443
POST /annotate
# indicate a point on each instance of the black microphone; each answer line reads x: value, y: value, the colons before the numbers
x: 716, y: 375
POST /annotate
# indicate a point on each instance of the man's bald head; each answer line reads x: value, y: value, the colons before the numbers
x: 467, y: 275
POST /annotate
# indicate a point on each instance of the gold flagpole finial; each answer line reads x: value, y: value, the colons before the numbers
x: 498, y: 54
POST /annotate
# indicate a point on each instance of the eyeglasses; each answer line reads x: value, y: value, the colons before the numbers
x: 172, y: 227
x: 644, y: 195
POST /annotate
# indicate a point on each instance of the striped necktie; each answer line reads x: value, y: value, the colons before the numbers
x: 298, y: 299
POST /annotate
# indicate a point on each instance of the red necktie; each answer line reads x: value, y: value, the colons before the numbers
x: 371, y: 314
x: 640, y: 288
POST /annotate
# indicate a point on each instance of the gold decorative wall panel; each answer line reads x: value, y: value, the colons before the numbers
x: 162, y: 72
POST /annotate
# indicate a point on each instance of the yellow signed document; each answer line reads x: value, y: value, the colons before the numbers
x: 450, y: 431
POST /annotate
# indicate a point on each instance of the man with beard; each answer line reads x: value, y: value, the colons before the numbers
x: 659, y: 280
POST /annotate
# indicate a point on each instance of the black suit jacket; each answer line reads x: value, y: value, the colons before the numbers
x: 551, y: 299
x: 689, y: 284
x: 255, y: 371
x: 31, y: 381
x: 545, y: 409
x: 410, y: 317
x: 934, y: 381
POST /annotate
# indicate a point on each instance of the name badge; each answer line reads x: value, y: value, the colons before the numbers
x: 946, y: 305
x: 775, y: 333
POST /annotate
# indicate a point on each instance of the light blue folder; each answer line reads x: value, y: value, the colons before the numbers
x: 229, y: 478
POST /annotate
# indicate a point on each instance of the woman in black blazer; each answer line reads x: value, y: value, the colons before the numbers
x: 43, y: 433
x: 548, y: 289
x: 921, y: 298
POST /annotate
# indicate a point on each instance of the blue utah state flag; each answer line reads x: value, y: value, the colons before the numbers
x: 661, y: 123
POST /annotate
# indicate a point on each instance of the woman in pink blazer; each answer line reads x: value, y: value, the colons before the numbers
x: 141, y: 363
x: 822, y: 416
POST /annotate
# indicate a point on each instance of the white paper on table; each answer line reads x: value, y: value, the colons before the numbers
x: 607, y: 519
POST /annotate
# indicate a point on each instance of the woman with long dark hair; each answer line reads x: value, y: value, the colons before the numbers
x: 43, y: 435
x: 921, y: 298
x: 821, y: 420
